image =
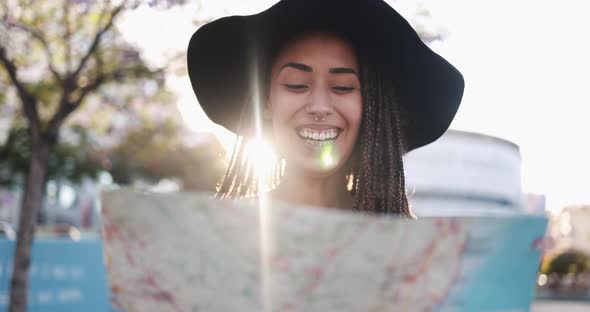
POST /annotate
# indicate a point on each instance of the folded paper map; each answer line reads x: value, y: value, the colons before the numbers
x: 188, y: 252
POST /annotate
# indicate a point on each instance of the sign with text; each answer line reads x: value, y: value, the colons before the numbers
x: 64, y: 276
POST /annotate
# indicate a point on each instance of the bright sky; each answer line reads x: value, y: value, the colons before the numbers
x: 526, y: 64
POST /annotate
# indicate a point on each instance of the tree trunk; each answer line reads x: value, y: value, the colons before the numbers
x: 31, y: 204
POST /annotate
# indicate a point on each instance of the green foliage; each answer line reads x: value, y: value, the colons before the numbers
x: 72, y: 161
x: 55, y: 44
x: 153, y: 152
x: 567, y: 262
x: 56, y: 55
x: 150, y: 151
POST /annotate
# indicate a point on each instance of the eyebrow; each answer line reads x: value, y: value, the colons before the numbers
x: 307, y: 68
x: 342, y: 70
x: 300, y: 66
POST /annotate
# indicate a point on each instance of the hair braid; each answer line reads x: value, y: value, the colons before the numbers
x: 389, y: 174
x: 380, y: 184
x: 364, y: 185
x: 378, y: 171
x: 400, y: 150
x: 239, y: 176
x: 225, y: 184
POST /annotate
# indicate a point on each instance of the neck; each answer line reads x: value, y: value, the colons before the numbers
x: 321, y: 191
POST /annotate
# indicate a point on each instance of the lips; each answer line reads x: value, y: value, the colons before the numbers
x: 318, y: 137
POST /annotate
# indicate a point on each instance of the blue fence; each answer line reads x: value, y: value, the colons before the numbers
x: 65, y: 276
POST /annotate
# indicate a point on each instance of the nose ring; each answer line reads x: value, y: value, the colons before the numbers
x: 319, y: 117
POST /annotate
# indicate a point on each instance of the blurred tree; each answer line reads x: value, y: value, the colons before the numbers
x: 69, y: 160
x: 567, y: 262
x: 154, y: 152
x: 150, y: 151
x: 566, y: 269
x: 422, y: 20
x: 55, y: 57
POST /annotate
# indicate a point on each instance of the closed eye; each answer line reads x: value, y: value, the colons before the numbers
x: 342, y: 89
x: 298, y: 88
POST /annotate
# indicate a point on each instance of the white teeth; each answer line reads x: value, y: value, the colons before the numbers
x: 318, y: 135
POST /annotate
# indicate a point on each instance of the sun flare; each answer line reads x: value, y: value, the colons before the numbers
x: 263, y: 159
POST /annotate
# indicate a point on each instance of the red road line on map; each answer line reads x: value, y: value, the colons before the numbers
x: 427, y: 253
x: 134, y: 236
x: 456, y: 275
x: 318, y: 272
x: 411, y: 279
x: 389, y: 269
x: 160, y: 294
x: 112, y: 232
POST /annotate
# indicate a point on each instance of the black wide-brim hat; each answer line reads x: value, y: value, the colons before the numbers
x: 229, y: 56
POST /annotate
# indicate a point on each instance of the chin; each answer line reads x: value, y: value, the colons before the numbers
x: 316, y: 166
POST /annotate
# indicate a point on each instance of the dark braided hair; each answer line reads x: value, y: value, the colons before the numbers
x: 379, y: 182
x: 376, y: 178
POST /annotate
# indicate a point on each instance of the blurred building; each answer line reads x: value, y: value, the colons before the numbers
x: 535, y: 203
x: 75, y: 204
x: 570, y: 229
x: 10, y: 200
x: 71, y: 203
x: 465, y: 172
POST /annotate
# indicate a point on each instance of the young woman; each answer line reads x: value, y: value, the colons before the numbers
x: 342, y: 89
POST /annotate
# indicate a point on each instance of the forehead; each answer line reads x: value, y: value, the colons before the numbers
x: 317, y: 46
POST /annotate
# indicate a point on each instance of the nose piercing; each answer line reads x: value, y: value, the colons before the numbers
x: 319, y: 117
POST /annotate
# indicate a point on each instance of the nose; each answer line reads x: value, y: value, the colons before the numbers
x: 319, y: 103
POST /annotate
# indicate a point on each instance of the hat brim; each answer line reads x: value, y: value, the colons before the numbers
x: 225, y: 55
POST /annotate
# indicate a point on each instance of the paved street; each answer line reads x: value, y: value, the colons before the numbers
x: 560, y: 306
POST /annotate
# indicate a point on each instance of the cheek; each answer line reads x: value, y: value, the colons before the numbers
x: 352, y: 113
x: 282, y: 109
x: 283, y: 106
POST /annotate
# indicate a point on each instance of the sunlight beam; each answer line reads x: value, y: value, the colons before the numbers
x: 261, y: 156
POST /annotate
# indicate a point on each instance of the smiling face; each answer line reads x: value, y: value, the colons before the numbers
x: 315, y: 102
